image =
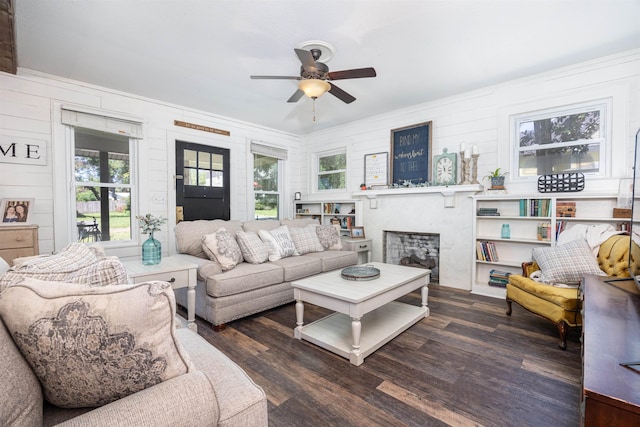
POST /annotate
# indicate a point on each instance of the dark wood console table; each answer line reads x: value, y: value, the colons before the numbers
x: 611, y: 334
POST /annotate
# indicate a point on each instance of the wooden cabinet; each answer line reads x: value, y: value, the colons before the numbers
x: 18, y: 241
x: 346, y: 213
x: 532, y: 221
x: 611, y: 335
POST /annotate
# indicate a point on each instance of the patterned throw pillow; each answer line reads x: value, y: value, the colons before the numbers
x: 329, y: 236
x: 279, y: 242
x: 566, y: 264
x: 91, y: 345
x: 306, y: 239
x: 222, y: 247
x: 254, y: 250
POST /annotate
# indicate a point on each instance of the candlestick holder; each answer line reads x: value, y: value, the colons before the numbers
x: 465, y: 169
x: 474, y: 168
x: 463, y: 162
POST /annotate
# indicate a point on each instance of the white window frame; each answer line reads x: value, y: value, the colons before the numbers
x: 602, y: 105
x: 322, y: 154
x: 64, y: 172
x: 276, y: 153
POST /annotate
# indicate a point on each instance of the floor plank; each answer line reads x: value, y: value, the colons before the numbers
x: 468, y: 364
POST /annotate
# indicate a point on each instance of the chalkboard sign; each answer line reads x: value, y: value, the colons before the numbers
x: 411, y: 154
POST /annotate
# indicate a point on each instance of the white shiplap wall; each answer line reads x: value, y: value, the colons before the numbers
x: 29, y: 108
x: 481, y: 118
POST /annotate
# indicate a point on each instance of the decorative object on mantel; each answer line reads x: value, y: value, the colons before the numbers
x: 496, y: 178
x: 411, y: 154
x: 445, y: 168
x: 376, y: 167
x: 151, y: 248
x: 474, y: 167
x: 561, y: 182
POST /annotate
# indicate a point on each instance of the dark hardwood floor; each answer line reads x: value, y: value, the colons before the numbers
x: 466, y: 364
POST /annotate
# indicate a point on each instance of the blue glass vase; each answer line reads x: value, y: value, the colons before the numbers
x: 151, y: 251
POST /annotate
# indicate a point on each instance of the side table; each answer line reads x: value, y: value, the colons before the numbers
x: 173, y: 270
x: 359, y: 245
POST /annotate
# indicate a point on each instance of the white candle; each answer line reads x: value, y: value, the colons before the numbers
x: 474, y: 150
x: 467, y: 154
x: 462, y: 147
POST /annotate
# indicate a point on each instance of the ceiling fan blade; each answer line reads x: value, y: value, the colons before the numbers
x: 356, y: 73
x: 277, y: 77
x: 296, y: 96
x: 306, y: 58
x: 341, y: 94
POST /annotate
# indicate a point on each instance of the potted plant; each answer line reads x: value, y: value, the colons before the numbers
x: 496, y: 178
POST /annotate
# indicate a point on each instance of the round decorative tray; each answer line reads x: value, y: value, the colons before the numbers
x: 360, y: 272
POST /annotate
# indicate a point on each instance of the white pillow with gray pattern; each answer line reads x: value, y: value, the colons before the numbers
x: 221, y: 246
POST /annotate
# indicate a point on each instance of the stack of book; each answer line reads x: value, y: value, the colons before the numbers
x: 566, y: 209
x: 498, y: 278
x: 488, y: 212
x: 544, y: 231
x: 486, y: 251
x: 535, y: 207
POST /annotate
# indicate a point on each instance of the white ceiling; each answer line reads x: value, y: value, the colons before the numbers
x: 200, y: 54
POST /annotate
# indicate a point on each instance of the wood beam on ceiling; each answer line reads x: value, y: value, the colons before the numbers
x: 8, y: 60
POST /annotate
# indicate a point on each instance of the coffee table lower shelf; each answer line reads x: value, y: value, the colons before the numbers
x: 379, y: 326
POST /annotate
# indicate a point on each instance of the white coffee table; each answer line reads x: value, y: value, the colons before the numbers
x: 174, y: 270
x: 367, y: 317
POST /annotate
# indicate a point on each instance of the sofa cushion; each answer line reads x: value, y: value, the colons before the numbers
x: 189, y: 234
x: 243, y: 278
x: 221, y: 246
x: 260, y: 224
x: 566, y: 264
x: 305, y: 239
x: 298, y: 267
x: 19, y: 387
x: 332, y: 260
x: 89, y: 346
x: 329, y: 236
x: 279, y: 242
x: 254, y: 250
x: 299, y: 222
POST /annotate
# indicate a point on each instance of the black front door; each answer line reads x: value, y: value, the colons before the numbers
x: 202, y: 181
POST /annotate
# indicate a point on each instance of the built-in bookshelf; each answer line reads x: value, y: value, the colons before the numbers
x: 506, y: 228
x: 346, y: 213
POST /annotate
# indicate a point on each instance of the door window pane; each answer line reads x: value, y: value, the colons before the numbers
x: 190, y: 158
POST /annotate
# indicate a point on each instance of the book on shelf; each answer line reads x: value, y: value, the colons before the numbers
x: 566, y: 209
x: 486, y: 251
x: 535, y: 207
x: 499, y: 278
x: 488, y: 212
x: 560, y: 226
x: 544, y: 231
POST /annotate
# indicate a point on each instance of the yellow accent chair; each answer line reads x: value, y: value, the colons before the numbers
x: 563, y: 306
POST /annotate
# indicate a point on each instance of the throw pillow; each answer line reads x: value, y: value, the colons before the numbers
x: 222, y: 247
x: 279, y: 242
x: 566, y: 264
x: 89, y: 345
x: 254, y: 250
x: 306, y: 239
x: 329, y: 236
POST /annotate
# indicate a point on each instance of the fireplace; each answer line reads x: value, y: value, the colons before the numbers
x: 412, y: 249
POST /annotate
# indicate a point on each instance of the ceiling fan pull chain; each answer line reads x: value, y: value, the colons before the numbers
x: 314, y: 109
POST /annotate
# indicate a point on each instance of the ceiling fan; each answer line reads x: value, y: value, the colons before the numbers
x: 315, y: 77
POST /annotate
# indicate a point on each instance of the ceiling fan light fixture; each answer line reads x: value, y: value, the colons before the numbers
x: 314, y: 88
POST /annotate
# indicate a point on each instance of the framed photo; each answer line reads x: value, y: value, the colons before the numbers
x: 357, y: 232
x: 16, y: 211
x: 411, y: 156
x: 376, y: 169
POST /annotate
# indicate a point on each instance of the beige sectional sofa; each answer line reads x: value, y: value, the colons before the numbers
x: 248, y: 288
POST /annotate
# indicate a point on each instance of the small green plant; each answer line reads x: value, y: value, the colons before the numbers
x: 495, y: 174
x: 149, y: 223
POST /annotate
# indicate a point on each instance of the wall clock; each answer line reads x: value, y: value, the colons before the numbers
x: 445, y: 168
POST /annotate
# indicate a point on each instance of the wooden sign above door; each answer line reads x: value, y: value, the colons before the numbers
x: 202, y: 128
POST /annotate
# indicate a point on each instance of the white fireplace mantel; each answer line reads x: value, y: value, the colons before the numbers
x: 447, y: 192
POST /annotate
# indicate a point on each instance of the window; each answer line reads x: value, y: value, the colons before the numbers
x: 203, y: 169
x: 103, y: 187
x: 332, y: 170
x: 267, y: 180
x: 560, y: 140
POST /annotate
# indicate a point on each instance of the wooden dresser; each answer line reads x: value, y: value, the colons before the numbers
x: 18, y: 241
x: 611, y: 334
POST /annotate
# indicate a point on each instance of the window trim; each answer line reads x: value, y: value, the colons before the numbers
x: 317, y: 173
x: 603, y: 105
